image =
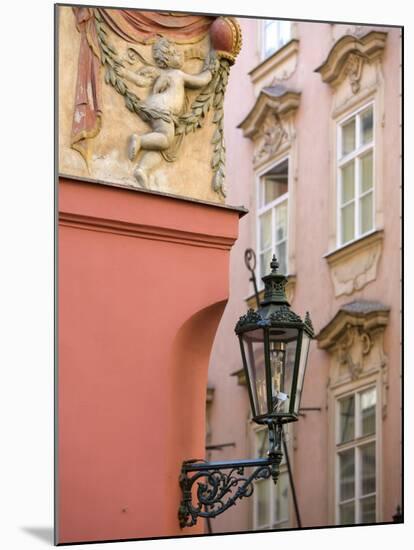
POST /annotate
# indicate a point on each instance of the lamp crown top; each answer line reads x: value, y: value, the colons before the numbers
x: 275, y: 283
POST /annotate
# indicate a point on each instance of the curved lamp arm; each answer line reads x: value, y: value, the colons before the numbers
x: 218, y: 489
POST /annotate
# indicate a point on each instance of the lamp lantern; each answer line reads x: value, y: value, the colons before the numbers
x: 274, y: 343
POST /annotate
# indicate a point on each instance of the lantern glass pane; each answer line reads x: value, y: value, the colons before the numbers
x: 301, y: 371
x: 255, y: 363
x: 282, y: 348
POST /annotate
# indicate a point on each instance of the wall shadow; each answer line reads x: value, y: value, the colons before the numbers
x: 42, y: 533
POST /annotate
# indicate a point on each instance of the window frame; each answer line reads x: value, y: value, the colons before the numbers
x: 359, y: 152
x: 265, y: 53
x: 356, y: 443
x: 271, y: 206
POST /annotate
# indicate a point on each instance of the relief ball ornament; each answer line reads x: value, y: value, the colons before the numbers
x: 226, y: 38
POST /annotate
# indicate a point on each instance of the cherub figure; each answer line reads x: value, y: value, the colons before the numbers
x: 164, y: 103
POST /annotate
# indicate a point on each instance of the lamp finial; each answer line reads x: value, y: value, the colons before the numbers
x: 274, y: 264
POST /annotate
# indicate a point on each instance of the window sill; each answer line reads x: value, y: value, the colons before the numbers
x: 355, y: 264
x: 356, y: 243
x: 281, y: 64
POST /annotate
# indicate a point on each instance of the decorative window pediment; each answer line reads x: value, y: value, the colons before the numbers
x: 362, y: 314
x: 348, y: 56
x: 269, y: 123
x: 354, y: 338
x: 272, y: 100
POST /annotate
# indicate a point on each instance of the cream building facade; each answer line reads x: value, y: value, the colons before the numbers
x: 313, y: 133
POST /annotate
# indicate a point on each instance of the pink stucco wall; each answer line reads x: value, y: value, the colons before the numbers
x: 142, y: 284
x: 314, y: 288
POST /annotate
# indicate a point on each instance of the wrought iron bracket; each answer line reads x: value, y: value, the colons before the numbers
x: 220, y: 485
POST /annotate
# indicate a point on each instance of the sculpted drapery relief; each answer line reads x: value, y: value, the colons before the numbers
x: 171, y: 71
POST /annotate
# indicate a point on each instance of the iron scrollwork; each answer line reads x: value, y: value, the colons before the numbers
x: 220, y: 485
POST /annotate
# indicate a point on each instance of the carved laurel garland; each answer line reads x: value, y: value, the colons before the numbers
x: 210, y: 96
x: 219, y: 149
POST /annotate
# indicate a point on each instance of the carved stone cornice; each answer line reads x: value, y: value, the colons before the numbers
x: 77, y: 210
x: 355, y: 265
x: 142, y: 231
x: 348, y: 55
x: 274, y: 100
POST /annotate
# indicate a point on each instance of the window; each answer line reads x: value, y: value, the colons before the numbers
x: 271, y: 502
x: 356, y: 176
x: 356, y: 457
x: 273, y: 218
x: 275, y: 35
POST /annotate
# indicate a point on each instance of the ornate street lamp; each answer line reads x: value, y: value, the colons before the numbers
x: 274, y: 343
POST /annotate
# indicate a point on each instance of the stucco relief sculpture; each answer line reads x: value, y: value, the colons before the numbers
x: 353, y: 69
x: 353, y: 268
x: 352, y: 349
x: 157, y: 62
x: 164, y: 103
